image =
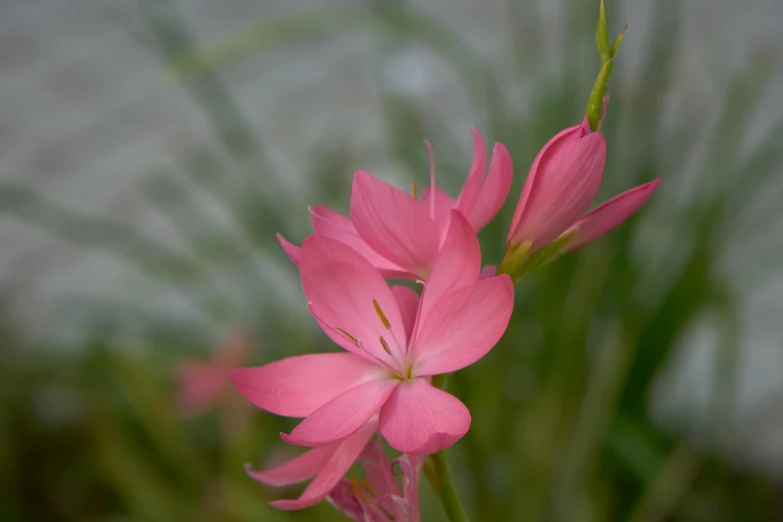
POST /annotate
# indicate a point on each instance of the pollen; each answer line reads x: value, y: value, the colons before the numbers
x: 382, y: 316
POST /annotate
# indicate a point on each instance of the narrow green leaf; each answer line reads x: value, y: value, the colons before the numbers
x: 617, y: 42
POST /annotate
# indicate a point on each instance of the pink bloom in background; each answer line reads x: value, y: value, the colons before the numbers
x: 378, y: 498
x: 201, y: 383
x: 401, y: 236
x: 394, y: 342
x: 560, y: 186
x: 325, y: 465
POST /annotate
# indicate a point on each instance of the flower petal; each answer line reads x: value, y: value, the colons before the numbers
x: 419, y: 418
x: 487, y: 272
x: 344, y: 455
x: 560, y: 139
x: 562, y: 182
x: 475, y: 181
x: 301, y: 468
x: 458, y: 263
x: 463, y: 326
x: 345, y: 293
x: 331, y: 224
x: 394, y: 224
x: 292, y: 251
x: 494, y: 190
x: 342, y: 415
x: 411, y: 466
x: 378, y: 470
x: 408, y: 301
x: 608, y: 215
x: 297, y: 386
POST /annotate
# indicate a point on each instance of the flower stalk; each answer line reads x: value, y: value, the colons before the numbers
x: 437, y: 472
x: 607, y: 54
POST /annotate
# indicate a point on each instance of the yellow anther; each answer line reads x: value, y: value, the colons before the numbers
x: 380, y: 313
x: 385, y: 345
x: 350, y: 337
x: 413, y: 189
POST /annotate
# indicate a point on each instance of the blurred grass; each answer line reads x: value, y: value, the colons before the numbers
x: 562, y: 428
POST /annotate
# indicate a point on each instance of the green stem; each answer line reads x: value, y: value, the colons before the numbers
x: 440, y: 478
x: 512, y: 259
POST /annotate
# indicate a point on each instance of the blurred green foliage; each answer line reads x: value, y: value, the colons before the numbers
x: 562, y: 428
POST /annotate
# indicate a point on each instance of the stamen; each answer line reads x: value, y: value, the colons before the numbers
x: 385, y: 345
x: 413, y: 189
x: 432, y: 179
x: 380, y: 313
x: 361, y: 488
x: 350, y: 337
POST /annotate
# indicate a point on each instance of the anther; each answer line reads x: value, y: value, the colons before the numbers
x: 413, y: 189
x: 350, y: 337
x: 380, y: 313
x: 385, y: 345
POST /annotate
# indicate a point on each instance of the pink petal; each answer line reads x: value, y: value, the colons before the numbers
x: 345, y: 454
x: 561, y: 138
x: 297, y: 386
x: 471, y: 190
x: 443, y: 205
x: 343, y: 288
x: 378, y: 470
x: 487, y: 272
x: 331, y: 224
x: 408, y: 301
x: 458, y: 263
x: 343, y: 497
x: 495, y: 189
x: 419, y: 418
x: 562, y: 182
x: 342, y: 415
x: 394, y: 224
x: 608, y: 215
x: 292, y: 251
x: 411, y: 465
x: 299, y: 469
x: 463, y: 326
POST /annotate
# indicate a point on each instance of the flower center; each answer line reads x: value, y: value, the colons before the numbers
x: 394, y: 354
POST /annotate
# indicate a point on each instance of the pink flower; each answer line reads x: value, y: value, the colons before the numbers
x: 562, y: 182
x: 401, y: 236
x: 395, y: 343
x: 200, y: 384
x: 326, y: 465
x: 378, y: 499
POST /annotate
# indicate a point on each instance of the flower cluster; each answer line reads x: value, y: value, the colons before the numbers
x: 395, y: 340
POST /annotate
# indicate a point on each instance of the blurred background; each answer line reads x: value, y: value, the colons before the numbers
x: 150, y: 149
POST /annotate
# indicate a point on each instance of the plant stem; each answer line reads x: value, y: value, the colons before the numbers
x: 440, y: 478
